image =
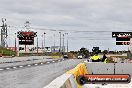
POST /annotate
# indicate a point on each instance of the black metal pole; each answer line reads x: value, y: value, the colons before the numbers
x: 63, y: 43
x: 37, y: 45
x: 15, y: 43
x: 60, y: 41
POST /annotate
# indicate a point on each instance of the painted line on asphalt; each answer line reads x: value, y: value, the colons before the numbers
x: 47, y: 62
x: 28, y: 65
x: 41, y: 63
x: 35, y: 64
x: 21, y: 66
x: 1, y: 69
x: 8, y: 68
x: 14, y: 67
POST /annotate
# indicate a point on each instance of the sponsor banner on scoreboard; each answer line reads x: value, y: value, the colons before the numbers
x: 121, y: 34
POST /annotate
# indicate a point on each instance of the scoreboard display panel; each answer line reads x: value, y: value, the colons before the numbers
x: 26, y: 34
x: 122, y: 39
x: 122, y: 43
x: 26, y: 37
x: 121, y: 34
x: 29, y: 41
x: 26, y: 42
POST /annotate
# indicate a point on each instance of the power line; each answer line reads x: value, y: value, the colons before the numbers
x: 74, y: 31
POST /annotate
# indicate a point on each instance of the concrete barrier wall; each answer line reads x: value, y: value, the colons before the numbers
x: 103, y: 68
x: 63, y: 81
x: 100, y: 68
x: 68, y: 80
x: 12, y: 59
x: 123, y: 68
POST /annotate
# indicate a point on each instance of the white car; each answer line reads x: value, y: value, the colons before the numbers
x: 79, y: 56
x: 65, y: 56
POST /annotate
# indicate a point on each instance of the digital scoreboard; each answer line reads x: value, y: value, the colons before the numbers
x: 122, y: 38
x: 121, y: 34
x: 26, y: 37
x: 122, y: 43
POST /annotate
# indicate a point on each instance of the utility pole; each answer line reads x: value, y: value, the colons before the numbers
x: 15, y: 43
x: 3, y: 33
x: 37, y: 45
x: 60, y: 42
x: 44, y: 41
x: 18, y: 48
x: 67, y: 45
x: 67, y: 41
x: 54, y: 42
x: 63, y: 44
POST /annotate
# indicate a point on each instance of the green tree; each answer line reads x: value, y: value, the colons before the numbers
x: 84, y: 52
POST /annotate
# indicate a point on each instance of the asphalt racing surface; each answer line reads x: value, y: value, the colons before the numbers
x: 34, y: 75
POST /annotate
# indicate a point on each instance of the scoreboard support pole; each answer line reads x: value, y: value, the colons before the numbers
x: 25, y: 45
x: 18, y: 48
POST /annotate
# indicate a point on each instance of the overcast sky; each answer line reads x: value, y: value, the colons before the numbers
x: 79, y: 18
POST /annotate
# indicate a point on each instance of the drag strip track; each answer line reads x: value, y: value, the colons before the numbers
x: 35, y: 75
x: 30, y: 65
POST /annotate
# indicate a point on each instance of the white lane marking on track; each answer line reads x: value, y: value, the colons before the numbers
x: 1, y: 69
x: 14, y: 67
x: 20, y: 66
x: 48, y: 62
x: 35, y: 64
x: 63, y: 59
x: 29, y: 65
x: 41, y: 63
x: 59, y: 60
x: 53, y: 61
x: 7, y: 68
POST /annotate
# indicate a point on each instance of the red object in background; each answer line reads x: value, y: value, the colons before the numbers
x: 27, y: 33
x: 12, y: 48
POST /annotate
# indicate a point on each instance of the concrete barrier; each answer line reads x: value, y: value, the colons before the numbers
x: 17, y: 59
x: 68, y: 80
x: 109, y: 68
x: 63, y: 81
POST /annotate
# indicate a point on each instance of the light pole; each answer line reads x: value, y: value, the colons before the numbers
x: 37, y: 45
x: 44, y: 42
x: 63, y: 44
x: 54, y: 42
x: 15, y: 42
x: 60, y: 42
x: 17, y: 45
x: 67, y: 41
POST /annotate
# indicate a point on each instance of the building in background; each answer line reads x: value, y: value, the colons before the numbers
x: 12, y: 48
x: 57, y: 49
